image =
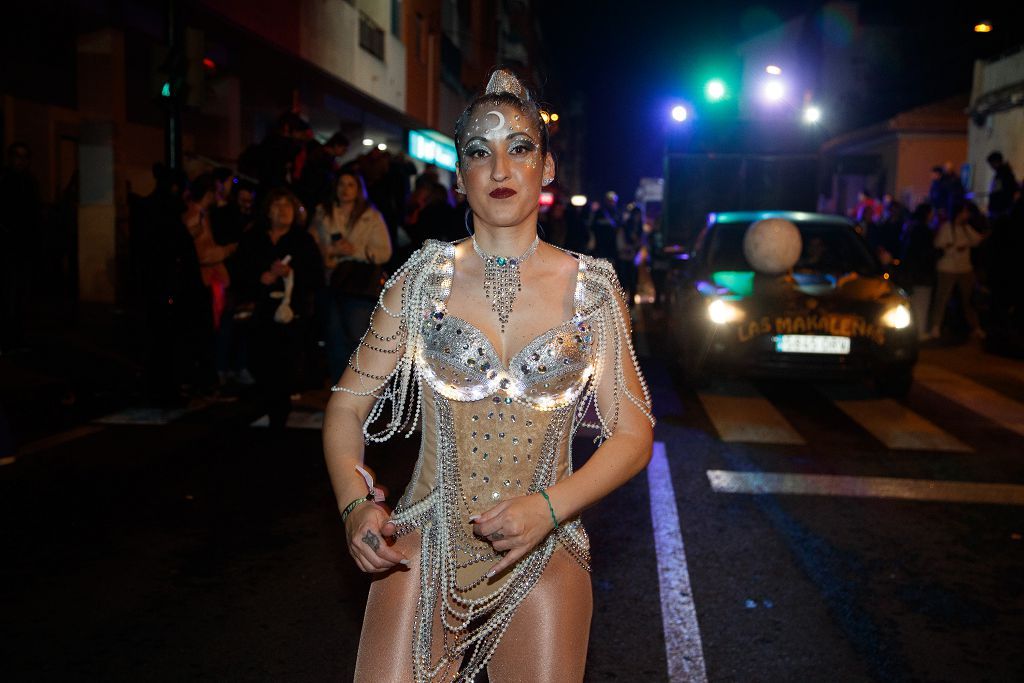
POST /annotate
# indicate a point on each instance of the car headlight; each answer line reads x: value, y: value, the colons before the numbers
x: 722, y: 312
x: 897, y: 317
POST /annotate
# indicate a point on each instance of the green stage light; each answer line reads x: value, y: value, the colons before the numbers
x: 714, y: 90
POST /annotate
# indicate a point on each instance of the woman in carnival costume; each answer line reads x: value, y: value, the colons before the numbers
x: 499, y: 347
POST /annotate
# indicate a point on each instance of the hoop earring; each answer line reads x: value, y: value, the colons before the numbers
x: 469, y: 231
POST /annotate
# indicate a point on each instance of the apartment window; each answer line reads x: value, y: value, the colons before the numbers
x: 371, y: 37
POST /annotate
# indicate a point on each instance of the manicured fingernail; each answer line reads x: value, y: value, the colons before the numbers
x: 473, y: 518
x: 490, y: 574
x: 405, y: 562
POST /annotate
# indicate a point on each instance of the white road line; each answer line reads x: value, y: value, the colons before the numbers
x: 740, y: 413
x: 683, y: 648
x: 58, y: 439
x: 973, y: 396
x: 898, y: 427
x: 723, y: 481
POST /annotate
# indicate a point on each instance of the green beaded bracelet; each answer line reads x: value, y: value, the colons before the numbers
x: 551, y: 509
x: 352, y: 506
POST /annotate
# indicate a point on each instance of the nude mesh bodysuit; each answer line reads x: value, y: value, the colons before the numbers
x: 490, y: 432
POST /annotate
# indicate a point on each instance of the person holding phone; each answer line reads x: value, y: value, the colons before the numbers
x: 280, y: 273
x: 497, y: 347
x: 955, y: 238
x: 354, y: 244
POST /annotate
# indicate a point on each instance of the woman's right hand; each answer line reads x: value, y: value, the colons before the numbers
x: 366, y: 528
x: 279, y: 268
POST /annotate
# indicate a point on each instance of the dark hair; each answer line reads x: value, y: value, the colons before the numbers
x: 245, y: 186
x: 361, y: 204
x: 338, y: 139
x: 938, y: 169
x: 995, y: 158
x: 222, y: 173
x: 289, y: 120
x: 200, y: 186
x: 527, y: 105
x: 281, y: 193
x: 922, y: 211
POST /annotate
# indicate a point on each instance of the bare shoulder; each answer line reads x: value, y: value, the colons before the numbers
x: 559, y: 261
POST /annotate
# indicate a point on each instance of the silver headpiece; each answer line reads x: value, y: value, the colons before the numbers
x: 506, y: 81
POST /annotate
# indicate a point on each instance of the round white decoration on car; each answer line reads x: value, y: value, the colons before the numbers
x: 772, y: 245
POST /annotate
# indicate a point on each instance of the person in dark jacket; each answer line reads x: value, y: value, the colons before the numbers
x: 280, y: 273
x: 917, y: 265
x: 1003, y: 187
x: 20, y: 225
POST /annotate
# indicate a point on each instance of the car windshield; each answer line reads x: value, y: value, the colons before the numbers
x: 827, y: 248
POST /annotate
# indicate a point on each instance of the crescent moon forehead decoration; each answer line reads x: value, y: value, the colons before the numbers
x: 501, y: 119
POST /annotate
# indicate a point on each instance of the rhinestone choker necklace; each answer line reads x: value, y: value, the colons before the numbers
x: 501, y: 279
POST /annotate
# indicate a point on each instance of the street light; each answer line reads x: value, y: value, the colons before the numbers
x: 774, y: 90
x: 679, y: 113
x: 812, y: 114
x: 367, y: 142
x: 554, y: 118
x: 714, y: 90
x: 382, y: 147
x: 773, y: 70
x: 578, y: 200
x: 983, y: 27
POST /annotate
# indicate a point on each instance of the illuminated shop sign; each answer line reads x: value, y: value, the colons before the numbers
x: 432, y: 148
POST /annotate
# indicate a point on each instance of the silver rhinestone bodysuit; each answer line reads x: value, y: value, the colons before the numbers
x: 490, y: 432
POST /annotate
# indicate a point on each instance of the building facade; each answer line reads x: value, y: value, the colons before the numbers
x: 85, y: 84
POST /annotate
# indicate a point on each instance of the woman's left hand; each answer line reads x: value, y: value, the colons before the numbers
x: 516, y: 525
x: 344, y: 248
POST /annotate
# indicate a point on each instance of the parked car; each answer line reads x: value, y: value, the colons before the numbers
x: 835, y: 314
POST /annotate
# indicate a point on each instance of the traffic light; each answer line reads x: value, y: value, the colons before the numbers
x: 181, y: 71
x: 715, y: 90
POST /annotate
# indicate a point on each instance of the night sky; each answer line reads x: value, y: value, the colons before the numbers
x: 630, y: 60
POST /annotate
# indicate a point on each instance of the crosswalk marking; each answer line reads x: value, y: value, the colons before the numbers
x: 683, y: 648
x: 723, y: 481
x: 897, y: 426
x: 740, y: 413
x: 980, y: 399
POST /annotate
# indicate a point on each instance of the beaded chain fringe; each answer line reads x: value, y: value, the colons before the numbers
x: 412, y: 301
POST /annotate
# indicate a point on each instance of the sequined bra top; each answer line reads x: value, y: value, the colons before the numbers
x: 460, y: 363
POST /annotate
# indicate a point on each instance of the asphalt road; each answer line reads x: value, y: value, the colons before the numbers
x: 824, y: 534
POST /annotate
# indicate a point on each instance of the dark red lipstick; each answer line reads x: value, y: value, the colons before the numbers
x: 502, y: 193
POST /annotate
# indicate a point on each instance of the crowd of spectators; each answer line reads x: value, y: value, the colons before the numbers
x: 263, y: 278
x: 948, y: 246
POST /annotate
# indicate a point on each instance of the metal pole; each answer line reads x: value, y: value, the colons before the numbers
x: 172, y: 125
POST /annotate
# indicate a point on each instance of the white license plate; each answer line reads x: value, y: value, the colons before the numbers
x: 811, y: 343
